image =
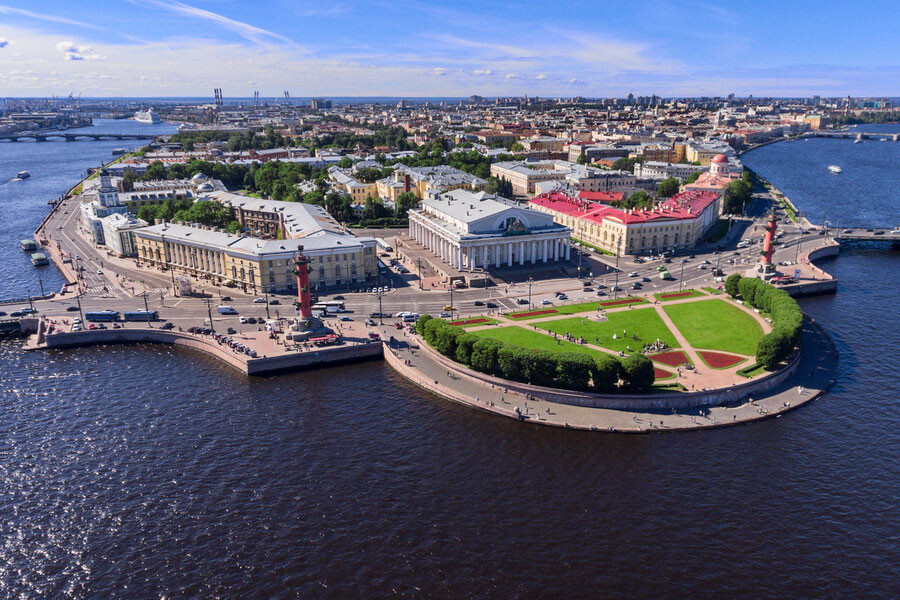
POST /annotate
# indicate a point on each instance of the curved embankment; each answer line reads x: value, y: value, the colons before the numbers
x: 328, y: 356
x: 808, y: 375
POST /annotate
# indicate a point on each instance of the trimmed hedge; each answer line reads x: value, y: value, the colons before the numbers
x: 568, y: 370
x: 787, y: 317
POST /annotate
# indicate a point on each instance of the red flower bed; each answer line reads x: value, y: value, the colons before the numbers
x: 677, y: 295
x: 470, y: 322
x: 661, y: 374
x: 674, y: 358
x: 621, y: 302
x: 719, y: 360
x: 533, y: 313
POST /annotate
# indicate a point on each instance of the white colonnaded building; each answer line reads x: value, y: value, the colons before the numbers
x: 479, y: 230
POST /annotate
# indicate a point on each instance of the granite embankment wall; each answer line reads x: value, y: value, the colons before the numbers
x: 640, y: 402
x: 824, y: 282
x: 243, y: 363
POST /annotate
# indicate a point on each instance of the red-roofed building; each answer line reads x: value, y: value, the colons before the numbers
x: 677, y: 222
x: 602, y: 197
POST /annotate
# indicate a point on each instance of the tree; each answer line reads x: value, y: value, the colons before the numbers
x: 517, y: 147
x: 406, y: 201
x: 731, y: 284
x: 512, y: 362
x: 607, y: 372
x: 345, y: 162
x: 445, y: 339
x: 639, y: 200
x: 637, y: 371
x: 464, y: 345
x: 420, y: 324
x: 692, y: 177
x: 668, y: 187
x: 374, y: 208
x: 737, y: 194
x: 574, y: 370
x: 484, y: 355
x: 772, y: 349
x: 155, y: 170
x: 582, y: 158
x: 540, y: 367
x: 624, y: 164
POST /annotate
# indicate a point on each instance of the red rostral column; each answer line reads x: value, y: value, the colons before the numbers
x: 302, y: 263
x: 769, y: 244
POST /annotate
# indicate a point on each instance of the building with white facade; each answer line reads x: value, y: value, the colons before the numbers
x: 525, y: 175
x: 480, y: 230
x: 663, y: 170
x: 118, y: 233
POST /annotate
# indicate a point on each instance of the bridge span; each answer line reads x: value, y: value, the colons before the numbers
x: 51, y: 136
x: 860, y: 236
x: 854, y: 135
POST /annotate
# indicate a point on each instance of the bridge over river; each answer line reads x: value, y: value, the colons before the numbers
x: 865, y: 236
x: 854, y: 135
x: 53, y: 136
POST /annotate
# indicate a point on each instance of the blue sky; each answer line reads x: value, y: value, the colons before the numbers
x: 399, y: 48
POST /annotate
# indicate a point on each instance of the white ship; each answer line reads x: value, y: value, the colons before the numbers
x: 834, y: 168
x: 146, y: 116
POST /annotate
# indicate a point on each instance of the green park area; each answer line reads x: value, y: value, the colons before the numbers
x: 473, y: 322
x: 716, y: 325
x: 573, y: 309
x: 644, y: 323
x: 519, y: 336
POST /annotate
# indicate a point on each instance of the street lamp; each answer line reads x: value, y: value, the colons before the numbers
x: 681, y: 277
x: 209, y: 312
x: 616, y: 286
x: 530, y: 281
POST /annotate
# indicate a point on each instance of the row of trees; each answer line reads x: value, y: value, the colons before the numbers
x: 640, y: 200
x: 569, y: 370
x: 784, y: 311
x: 737, y: 194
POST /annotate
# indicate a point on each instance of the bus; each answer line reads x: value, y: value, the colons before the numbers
x: 333, y: 304
x: 141, y: 315
x: 385, y: 247
x: 382, y: 268
x: 101, y: 315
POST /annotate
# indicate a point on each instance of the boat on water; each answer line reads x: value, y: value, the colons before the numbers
x: 834, y: 168
x: 118, y: 151
x: 857, y: 141
x: 23, y: 175
x: 28, y: 245
x: 146, y: 116
x: 39, y: 259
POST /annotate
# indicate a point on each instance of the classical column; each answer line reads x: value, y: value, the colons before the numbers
x: 521, y: 253
x: 509, y: 254
x: 567, y: 247
x: 544, y: 249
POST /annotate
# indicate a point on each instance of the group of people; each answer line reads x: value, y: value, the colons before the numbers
x: 657, y: 346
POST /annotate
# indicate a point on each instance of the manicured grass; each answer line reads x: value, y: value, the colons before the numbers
x: 670, y: 296
x: 572, y: 309
x: 643, y: 322
x: 473, y: 322
x: 713, y: 291
x: 716, y: 325
x: 532, y: 339
x: 752, y: 371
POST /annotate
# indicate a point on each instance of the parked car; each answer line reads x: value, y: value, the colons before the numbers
x: 231, y: 331
x: 521, y: 301
x: 478, y: 303
x: 226, y: 298
x: 168, y: 325
x: 346, y: 319
x: 71, y: 309
x: 259, y: 301
x: 338, y: 297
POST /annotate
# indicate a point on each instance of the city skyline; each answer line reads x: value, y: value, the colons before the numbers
x: 169, y: 48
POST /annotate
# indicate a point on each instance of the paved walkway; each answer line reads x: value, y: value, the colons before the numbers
x: 814, y: 376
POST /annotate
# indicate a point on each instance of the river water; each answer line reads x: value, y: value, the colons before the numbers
x: 150, y: 472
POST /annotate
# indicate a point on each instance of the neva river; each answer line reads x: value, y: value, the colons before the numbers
x: 151, y: 472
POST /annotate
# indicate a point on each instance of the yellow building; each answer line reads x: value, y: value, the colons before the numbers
x: 421, y: 180
x: 254, y: 264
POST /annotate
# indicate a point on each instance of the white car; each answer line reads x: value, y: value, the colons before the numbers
x: 259, y: 301
x: 242, y: 320
x: 99, y: 272
x: 633, y: 274
x: 545, y: 302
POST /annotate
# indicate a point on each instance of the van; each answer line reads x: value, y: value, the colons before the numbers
x: 226, y: 310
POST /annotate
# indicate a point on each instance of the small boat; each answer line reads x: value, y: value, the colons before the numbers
x: 23, y: 175
x: 834, y: 168
x: 28, y: 245
x: 857, y: 141
x: 39, y: 259
x: 118, y: 151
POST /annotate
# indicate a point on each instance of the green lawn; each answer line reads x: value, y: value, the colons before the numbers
x: 532, y: 339
x: 716, y: 325
x: 572, y: 309
x: 672, y: 296
x: 642, y: 322
x: 713, y: 291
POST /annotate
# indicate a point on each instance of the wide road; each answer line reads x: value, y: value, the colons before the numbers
x: 106, y: 283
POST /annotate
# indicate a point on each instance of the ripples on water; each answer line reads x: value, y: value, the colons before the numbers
x: 151, y: 472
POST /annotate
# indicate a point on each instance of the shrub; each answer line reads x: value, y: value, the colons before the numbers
x: 606, y: 374
x: 540, y: 367
x: 637, y: 371
x: 431, y: 329
x: 772, y: 349
x: 573, y: 370
x: 731, y: 284
x: 445, y: 340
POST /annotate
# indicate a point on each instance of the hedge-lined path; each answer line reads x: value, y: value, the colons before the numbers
x: 814, y: 376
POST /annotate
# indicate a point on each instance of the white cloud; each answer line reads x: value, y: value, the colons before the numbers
x: 573, y: 81
x: 75, y: 52
x: 254, y: 34
x: 482, y: 72
x: 4, y: 42
x: 541, y: 77
x: 512, y: 76
x: 439, y: 71
x: 8, y: 10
